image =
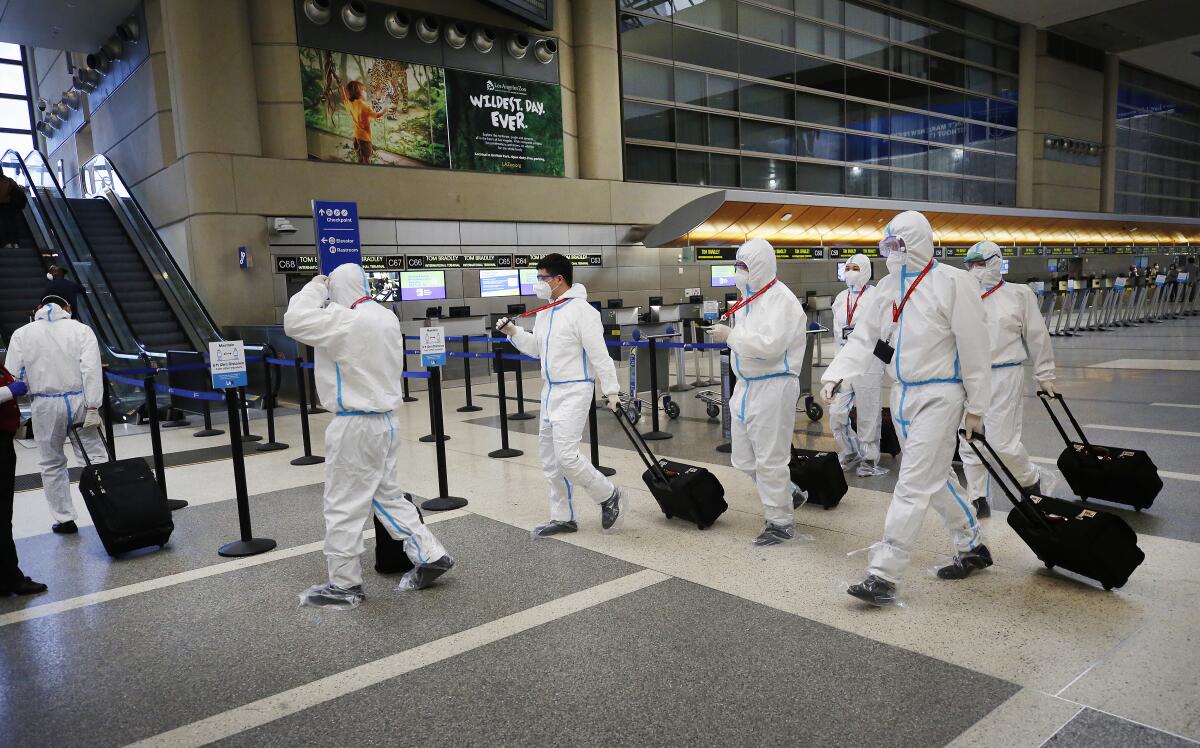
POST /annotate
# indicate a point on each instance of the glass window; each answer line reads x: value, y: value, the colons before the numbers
x: 868, y: 182
x: 723, y: 170
x: 768, y: 62
x: 646, y: 79
x: 10, y: 51
x: 866, y: 84
x: 867, y: 150
x: 830, y: 10
x: 769, y: 101
x: 691, y: 167
x: 1006, y: 167
x: 1006, y: 87
x: 909, y: 125
x: 976, y: 164
x: 908, y: 31
x: 785, y: 4
x: 703, y: 48
x: 812, y: 143
x: 867, y: 117
x: 705, y: 89
x: 948, y: 131
x: 644, y: 164
x: 22, y: 144
x: 14, y: 114
x: 980, y: 81
x: 813, y: 37
x: 945, y: 190
x: 909, y: 155
x: 698, y: 128
x: 977, y: 108
x: 977, y: 137
x: 905, y: 92
x: 1006, y: 193
x: 945, y: 101
x: 12, y: 79
x: 946, y: 160
x: 820, y: 110
x: 947, y: 72
x: 1002, y: 113
x: 820, y: 74
x: 768, y: 137
x: 864, y: 18
x: 819, y: 178
x: 649, y: 121
x: 866, y: 51
x: 645, y: 36
x: 717, y: 14
x: 768, y: 174
x: 976, y: 50
x: 767, y: 25
x: 908, y: 186
x: 910, y: 62
x: 651, y: 7
x: 1006, y: 59
x: 946, y: 41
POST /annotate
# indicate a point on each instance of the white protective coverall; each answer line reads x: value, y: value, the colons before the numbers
x: 767, y: 342
x: 861, y: 391
x: 941, y: 363
x: 59, y: 360
x: 568, y: 338
x: 1018, y: 334
x: 359, y: 359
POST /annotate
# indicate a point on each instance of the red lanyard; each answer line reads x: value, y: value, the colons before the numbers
x: 744, y: 302
x: 992, y: 290
x: 365, y: 298
x: 851, y: 309
x: 544, y: 308
x: 897, y: 310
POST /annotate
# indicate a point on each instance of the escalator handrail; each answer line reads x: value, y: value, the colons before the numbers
x: 164, y: 251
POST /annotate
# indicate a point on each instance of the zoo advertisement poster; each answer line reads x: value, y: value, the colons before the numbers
x: 367, y: 110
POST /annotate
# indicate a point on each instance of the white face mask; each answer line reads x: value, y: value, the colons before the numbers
x: 542, y: 289
x: 978, y: 273
x: 895, y: 261
x: 856, y: 278
x: 49, y: 277
x: 741, y: 279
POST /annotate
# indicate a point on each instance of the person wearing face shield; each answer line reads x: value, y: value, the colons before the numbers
x: 925, y: 322
x: 359, y: 357
x: 767, y: 341
x: 568, y: 338
x: 1017, y: 333
x: 856, y: 447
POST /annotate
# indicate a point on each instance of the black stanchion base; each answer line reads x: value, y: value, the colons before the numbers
x: 251, y: 547
x: 502, y: 453
x: 606, y: 471
x: 174, y: 504
x: 429, y: 438
x: 469, y: 409
x: 410, y: 399
x: 657, y: 435
x: 314, y: 410
x: 725, y: 448
x: 270, y: 447
x: 443, y: 503
x: 679, y: 387
x: 175, y: 424
x: 208, y: 432
x: 521, y: 417
x: 251, y: 438
x: 308, y: 460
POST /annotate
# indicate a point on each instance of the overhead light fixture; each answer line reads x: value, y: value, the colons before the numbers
x: 545, y: 50
x: 456, y: 35
x: 518, y: 45
x: 98, y: 62
x: 282, y: 226
x: 45, y: 129
x: 397, y: 24
x: 786, y: 217
x: 61, y: 110
x: 354, y: 15
x: 113, y: 48
x: 54, y: 120
x: 483, y: 39
x: 72, y: 99
x: 317, y: 11
x: 85, y: 80
x: 130, y: 31
x: 427, y: 29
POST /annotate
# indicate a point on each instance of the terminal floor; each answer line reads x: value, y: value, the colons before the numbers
x: 657, y: 634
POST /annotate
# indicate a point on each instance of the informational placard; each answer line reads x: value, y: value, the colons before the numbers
x: 710, y: 311
x: 1181, y: 278
x: 1160, y: 280
x: 799, y: 253
x: 576, y: 260
x: 1120, y: 281
x: 1096, y: 250
x: 336, y: 226
x: 1037, y: 287
x: 299, y: 264
x: 382, y: 263
x: 1125, y: 250
x: 457, y: 262
x: 243, y: 258
x: 227, y: 364
x: 433, y: 346
x: 504, y: 124
x: 690, y: 292
x: 720, y: 254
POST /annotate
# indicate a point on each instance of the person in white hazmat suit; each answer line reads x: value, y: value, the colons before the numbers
x: 1018, y: 334
x: 359, y: 359
x: 925, y: 322
x: 856, y: 446
x: 59, y: 360
x: 767, y: 340
x: 568, y: 338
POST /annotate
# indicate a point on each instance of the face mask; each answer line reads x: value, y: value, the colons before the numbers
x: 895, y: 261
x: 49, y: 277
x: 542, y: 289
x: 978, y: 272
x: 856, y: 278
x: 742, y: 279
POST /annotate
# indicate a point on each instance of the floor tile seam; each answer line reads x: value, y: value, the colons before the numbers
x: 322, y: 690
x: 1063, y: 726
x: 183, y: 577
x: 1083, y: 706
x: 1102, y: 657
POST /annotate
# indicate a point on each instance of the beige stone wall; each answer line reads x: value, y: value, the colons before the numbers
x: 1068, y: 102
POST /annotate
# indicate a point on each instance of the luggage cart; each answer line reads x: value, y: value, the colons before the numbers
x: 634, y: 404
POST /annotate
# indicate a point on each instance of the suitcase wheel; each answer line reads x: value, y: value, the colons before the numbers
x: 1137, y: 509
x: 827, y: 507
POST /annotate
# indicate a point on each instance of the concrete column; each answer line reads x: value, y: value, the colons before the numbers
x: 597, y: 89
x: 1027, y: 136
x: 1108, y: 167
x: 211, y: 69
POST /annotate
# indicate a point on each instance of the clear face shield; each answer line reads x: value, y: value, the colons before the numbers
x: 978, y: 262
x: 890, y: 244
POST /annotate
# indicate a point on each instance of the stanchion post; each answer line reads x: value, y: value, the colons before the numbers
x: 311, y: 381
x: 443, y: 501
x: 726, y: 446
x: 520, y: 415
x: 505, y: 450
x: 246, y: 435
x: 434, y: 413
x: 160, y: 472
x: 308, y: 458
x: 408, y: 398
x: 106, y: 413
x: 593, y: 435
x: 270, y: 445
x: 655, y: 433
x: 208, y: 429
x: 470, y: 407
x: 248, y: 545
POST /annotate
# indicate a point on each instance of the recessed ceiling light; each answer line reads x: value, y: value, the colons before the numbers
x: 787, y: 216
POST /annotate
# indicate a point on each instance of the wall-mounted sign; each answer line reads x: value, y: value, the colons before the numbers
x: 837, y: 253
x: 457, y: 262
x: 382, y: 263
x: 1010, y: 251
x: 1125, y: 250
x: 576, y: 260
x: 337, y: 234
x: 371, y: 110
x: 726, y: 254
x: 1097, y: 250
x: 955, y: 251
x: 799, y: 253
x: 300, y: 264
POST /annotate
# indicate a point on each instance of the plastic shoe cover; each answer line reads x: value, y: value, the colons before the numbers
x: 775, y: 534
x: 982, y: 509
x: 422, y: 576
x: 611, y: 512
x: 848, y: 462
x: 553, y: 527
x: 799, y: 496
x: 332, y: 597
x: 875, y: 591
x: 869, y: 469
x: 965, y: 564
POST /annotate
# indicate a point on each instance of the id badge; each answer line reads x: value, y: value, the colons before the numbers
x: 884, y: 351
x: 846, y: 331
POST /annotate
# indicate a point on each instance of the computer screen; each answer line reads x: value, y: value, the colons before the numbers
x: 422, y: 285
x: 1052, y: 266
x: 842, y: 271
x: 1003, y: 266
x: 528, y: 278
x: 494, y: 283
x: 722, y: 275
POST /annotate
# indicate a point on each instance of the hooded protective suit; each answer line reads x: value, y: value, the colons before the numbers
x: 861, y: 391
x: 941, y: 364
x: 59, y: 359
x: 568, y: 338
x: 359, y: 358
x: 767, y: 342
x: 1018, y: 334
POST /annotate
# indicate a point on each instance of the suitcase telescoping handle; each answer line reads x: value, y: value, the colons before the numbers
x: 73, y: 433
x: 1023, y: 506
x: 1046, y: 398
x: 640, y: 446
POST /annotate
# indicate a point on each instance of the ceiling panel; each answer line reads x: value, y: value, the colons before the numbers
x: 73, y: 25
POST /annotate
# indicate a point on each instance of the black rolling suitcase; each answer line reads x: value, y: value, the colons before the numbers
x: 390, y: 557
x: 889, y: 443
x: 820, y: 474
x: 683, y: 491
x: 1091, y: 542
x: 1122, y: 476
x: 127, y: 508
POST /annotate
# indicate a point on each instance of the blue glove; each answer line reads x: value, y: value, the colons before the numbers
x: 18, y: 388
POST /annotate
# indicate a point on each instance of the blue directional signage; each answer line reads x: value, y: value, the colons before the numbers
x: 337, y: 234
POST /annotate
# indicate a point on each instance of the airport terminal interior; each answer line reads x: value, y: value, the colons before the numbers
x: 266, y: 261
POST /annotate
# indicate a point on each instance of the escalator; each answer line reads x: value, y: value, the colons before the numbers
x: 22, y: 281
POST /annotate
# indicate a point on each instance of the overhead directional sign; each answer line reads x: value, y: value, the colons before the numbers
x: 337, y: 234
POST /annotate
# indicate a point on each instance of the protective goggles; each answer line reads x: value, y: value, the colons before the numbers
x: 739, y: 265
x: 978, y: 262
x: 891, y: 244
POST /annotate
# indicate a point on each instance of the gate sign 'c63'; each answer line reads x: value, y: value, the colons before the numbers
x: 336, y: 226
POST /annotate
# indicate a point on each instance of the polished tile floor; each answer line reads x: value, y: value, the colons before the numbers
x: 657, y: 635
